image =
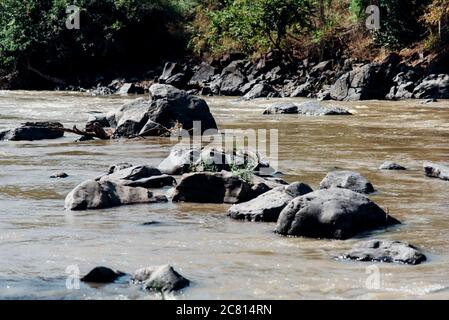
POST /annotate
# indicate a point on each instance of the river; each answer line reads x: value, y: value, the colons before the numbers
x: 225, y: 259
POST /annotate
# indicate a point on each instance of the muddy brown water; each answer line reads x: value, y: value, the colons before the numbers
x: 225, y: 259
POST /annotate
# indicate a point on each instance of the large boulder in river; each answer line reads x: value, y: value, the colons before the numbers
x: 169, y: 108
x: 259, y: 90
x: 105, y: 194
x: 219, y: 187
x: 385, y: 251
x: 268, y: 206
x: 160, y: 279
x: 434, y: 170
x: 347, y: 180
x: 310, y: 108
x: 333, y: 214
x: 31, y: 131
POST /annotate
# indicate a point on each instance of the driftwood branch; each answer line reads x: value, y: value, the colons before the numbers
x: 97, y: 132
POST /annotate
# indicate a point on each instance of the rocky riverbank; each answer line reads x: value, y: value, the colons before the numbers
x: 393, y: 78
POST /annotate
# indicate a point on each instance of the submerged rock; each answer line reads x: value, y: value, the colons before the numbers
x: 31, y: 131
x: 332, y: 213
x: 268, y: 206
x: 160, y: 279
x: 105, y: 194
x: 347, y: 180
x: 434, y: 170
x: 310, y: 108
x: 282, y: 108
x: 385, y: 251
x: 102, y: 275
x: 60, y: 175
x: 389, y: 165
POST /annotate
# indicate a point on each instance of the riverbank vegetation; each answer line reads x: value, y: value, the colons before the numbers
x: 130, y: 36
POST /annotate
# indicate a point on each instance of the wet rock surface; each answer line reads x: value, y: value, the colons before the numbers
x: 102, y: 275
x: 385, y: 251
x: 92, y: 194
x: 347, y: 180
x: 434, y: 170
x: 30, y: 131
x: 268, y: 206
x: 332, y: 213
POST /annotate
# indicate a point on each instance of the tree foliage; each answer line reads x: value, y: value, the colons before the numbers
x: 256, y: 25
x: 111, y: 32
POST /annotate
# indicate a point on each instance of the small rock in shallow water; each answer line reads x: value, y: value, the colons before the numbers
x: 102, y: 275
x: 385, y: 251
x: 388, y: 165
x: 347, y: 180
x: 118, y: 167
x: 60, y: 175
x: 160, y: 279
x: 268, y: 206
x: 434, y: 170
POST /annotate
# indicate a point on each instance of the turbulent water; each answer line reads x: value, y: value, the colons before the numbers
x: 225, y: 259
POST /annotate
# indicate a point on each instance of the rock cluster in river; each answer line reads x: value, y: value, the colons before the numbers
x: 343, y: 79
x: 435, y: 170
x: 167, y: 109
x: 160, y: 279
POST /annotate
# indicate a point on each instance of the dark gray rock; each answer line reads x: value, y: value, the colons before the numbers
x: 31, y: 131
x: 268, y: 206
x: 385, y: 251
x: 102, y: 275
x: 260, y: 90
x: 130, y: 88
x: 168, y: 108
x: 282, y: 108
x: 119, y: 166
x: 152, y: 182
x: 160, y: 279
x: 313, y: 108
x: 389, y: 165
x: 347, y: 180
x: 433, y: 86
x: 132, y: 173
x: 91, y: 195
x: 310, y: 108
x: 173, y: 74
x: 232, y: 79
x: 220, y: 187
x: 60, y: 175
x: 331, y: 213
x: 204, y: 74
x: 435, y: 170
x: 370, y: 81
x: 321, y: 67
